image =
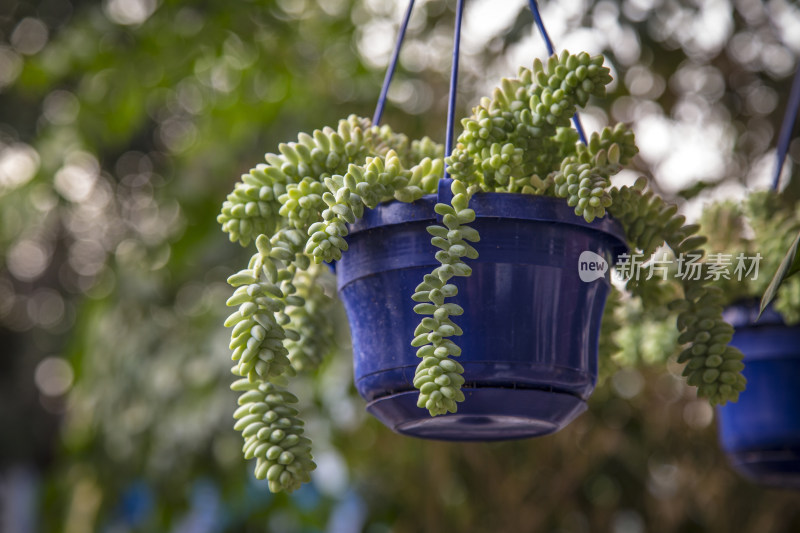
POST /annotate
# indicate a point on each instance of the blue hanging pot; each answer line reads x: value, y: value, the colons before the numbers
x: 531, y: 325
x: 761, y: 432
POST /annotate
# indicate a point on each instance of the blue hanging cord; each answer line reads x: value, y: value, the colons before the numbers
x: 387, y: 80
x: 451, y: 106
x: 786, y: 129
x: 537, y: 17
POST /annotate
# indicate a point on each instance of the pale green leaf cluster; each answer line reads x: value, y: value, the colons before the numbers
x: 288, y: 189
x: 520, y: 135
x: 273, y: 435
x: 378, y: 180
x: 585, y: 177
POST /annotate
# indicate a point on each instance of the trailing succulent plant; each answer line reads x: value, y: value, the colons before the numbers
x: 297, y: 206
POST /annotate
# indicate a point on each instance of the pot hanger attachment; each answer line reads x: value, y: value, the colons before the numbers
x: 444, y: 184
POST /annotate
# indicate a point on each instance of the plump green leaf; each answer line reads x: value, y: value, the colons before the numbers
x: 788, y: 267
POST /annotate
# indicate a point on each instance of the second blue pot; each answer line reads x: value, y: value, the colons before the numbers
x: 761, y: 432
x: 530, y: 325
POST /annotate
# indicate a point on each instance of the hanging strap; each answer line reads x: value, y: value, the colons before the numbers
x: 454, y: 71
x: 786, y: 129
x: 451, y: 104
x: 537, y: 17
x: 453, y: 74
x: 387, y: 80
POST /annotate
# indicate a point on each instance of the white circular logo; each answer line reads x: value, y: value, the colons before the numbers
x: 591, y: 266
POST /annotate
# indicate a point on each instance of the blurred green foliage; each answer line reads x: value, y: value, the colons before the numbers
x: 124, y: 123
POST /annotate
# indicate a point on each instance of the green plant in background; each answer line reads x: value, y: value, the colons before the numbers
x: 296, y: 208
x: 762, y: 228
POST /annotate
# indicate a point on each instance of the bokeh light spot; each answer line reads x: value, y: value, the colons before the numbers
x: 628, y: 383
x: 698, y: 414
x: 75, y: 180
x: 53, y: 376
x: 61, y: 107
x: 27, y: 260
x: 129, y: 12
x: 30, y: 36
x: 18, y: 165
x: 10, y: 66
x: 46, y: 307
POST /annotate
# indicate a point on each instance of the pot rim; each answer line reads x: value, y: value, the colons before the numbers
x: 491, y: 205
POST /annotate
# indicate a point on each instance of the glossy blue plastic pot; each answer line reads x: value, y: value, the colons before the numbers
x: 530, y: 324
x: 761, y: 432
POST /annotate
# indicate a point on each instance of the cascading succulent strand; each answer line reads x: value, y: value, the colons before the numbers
x: 263, y: 292
x: 711, y: 364
x: 273, y: 434
x: 438, y: 377
x: 257, y: 335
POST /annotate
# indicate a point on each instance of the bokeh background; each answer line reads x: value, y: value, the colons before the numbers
x: 123, y: 125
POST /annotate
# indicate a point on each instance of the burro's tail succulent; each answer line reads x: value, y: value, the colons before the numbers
x: 296, y: 208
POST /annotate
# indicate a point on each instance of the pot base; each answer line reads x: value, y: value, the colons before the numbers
x: 488, y: 414
x: 776, y: 468
x: 760, y: 434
